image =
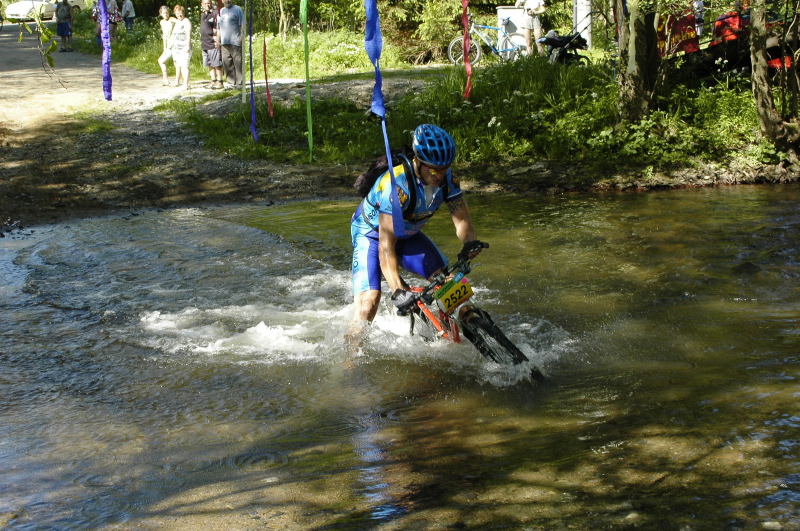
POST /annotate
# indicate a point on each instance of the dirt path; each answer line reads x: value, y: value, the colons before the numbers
x: 134, y: 157
x: 31, y: 97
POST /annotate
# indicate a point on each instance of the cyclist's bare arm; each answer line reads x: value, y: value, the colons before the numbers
x: 462, y: 220
x: 387, y: 254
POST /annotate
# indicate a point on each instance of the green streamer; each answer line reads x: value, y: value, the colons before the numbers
x: 304, y: 22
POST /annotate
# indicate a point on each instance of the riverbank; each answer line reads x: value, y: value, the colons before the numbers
x: 65, y: 152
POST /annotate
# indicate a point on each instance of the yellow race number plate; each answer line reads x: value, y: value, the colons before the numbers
x: 452, y: 294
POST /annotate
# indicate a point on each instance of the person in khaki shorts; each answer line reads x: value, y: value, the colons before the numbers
x: 531, y: 23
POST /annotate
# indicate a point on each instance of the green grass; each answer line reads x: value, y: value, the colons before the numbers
x: 87, y: 122
x: 521, y: 112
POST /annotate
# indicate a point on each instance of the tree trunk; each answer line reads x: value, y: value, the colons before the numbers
x: 621, y: 18
x: 783, y: 133
x: 637, y: 81
x: 283, y: 21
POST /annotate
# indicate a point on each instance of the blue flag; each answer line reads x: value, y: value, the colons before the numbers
x: 373, y: 44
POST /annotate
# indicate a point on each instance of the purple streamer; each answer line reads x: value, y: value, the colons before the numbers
x: 105, y: 38
x: 252, y: 86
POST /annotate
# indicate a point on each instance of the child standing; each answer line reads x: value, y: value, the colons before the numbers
x: 64, y: 25
x: 167, y: 22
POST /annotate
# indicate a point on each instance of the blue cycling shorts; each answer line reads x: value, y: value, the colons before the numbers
x: 416, y: 253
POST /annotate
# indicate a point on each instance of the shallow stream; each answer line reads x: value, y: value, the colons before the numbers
x: 185, y: 368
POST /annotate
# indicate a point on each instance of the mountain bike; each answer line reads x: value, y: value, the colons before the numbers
x: 443, y: 311
x: 510, y: 46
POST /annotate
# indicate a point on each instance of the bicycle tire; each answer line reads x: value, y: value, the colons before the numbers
x: 514, y: 46
x: 579, y: 60
x: 455, y: 51
x: 491, y: 342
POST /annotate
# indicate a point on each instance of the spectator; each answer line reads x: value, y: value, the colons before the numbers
x: 128, y: 14
x: 64, y: 25
x: 699, y: 12
x: 531, y: 23
x: 231, y: 28
x: 180, y: 43
x: 209, y: 43
x: 167, y: 23
x: 113, y: 17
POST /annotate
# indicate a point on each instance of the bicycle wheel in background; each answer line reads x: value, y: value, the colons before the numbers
x: 513, y: 46
x: 455, y: 51
x: 581, y: 60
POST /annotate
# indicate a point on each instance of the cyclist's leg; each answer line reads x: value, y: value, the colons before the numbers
x: 366, y: 277
x: 420, y: 255
x: 366, y: 273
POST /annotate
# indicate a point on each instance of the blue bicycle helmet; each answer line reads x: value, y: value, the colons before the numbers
x: 434, y: 146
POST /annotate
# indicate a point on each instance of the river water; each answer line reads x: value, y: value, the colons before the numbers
x: 185, y: 368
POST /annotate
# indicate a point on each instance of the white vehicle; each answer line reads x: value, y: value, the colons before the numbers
x: 26, y: 9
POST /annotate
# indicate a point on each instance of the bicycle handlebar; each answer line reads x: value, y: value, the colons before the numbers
x: 458, y: 269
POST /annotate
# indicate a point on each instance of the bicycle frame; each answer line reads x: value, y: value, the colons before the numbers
x: 445, y: 326
x: 501, y: 32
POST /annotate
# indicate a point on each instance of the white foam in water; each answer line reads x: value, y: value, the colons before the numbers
x: 309, y: 324
x: 219, y: 331
x: 254, y: 339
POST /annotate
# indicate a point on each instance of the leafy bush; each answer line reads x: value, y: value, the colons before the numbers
x: 519, y: 112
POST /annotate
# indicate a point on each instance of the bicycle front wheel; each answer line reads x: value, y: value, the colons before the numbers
x: 513, y: 46
x: 490, y: 341
x: 455, y: 51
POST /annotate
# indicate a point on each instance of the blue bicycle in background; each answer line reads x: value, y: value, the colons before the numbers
x: 510, y: 46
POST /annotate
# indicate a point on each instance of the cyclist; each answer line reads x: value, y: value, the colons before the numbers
x: 422, y: 186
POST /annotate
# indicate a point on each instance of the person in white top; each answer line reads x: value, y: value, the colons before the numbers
x: 180, y: 42
x: 128, y: 14
x: 532, y: 23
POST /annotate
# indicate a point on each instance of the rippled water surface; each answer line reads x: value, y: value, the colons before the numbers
x: 185, y: 368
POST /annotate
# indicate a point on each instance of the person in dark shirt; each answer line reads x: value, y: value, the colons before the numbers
x: 209, y: 43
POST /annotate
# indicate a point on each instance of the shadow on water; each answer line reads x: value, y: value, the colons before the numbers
x: 145, y: 392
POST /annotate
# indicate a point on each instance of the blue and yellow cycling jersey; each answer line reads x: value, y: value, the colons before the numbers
x: 378, y: 201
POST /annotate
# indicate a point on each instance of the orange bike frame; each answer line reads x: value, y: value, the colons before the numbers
x: 450, y: 331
